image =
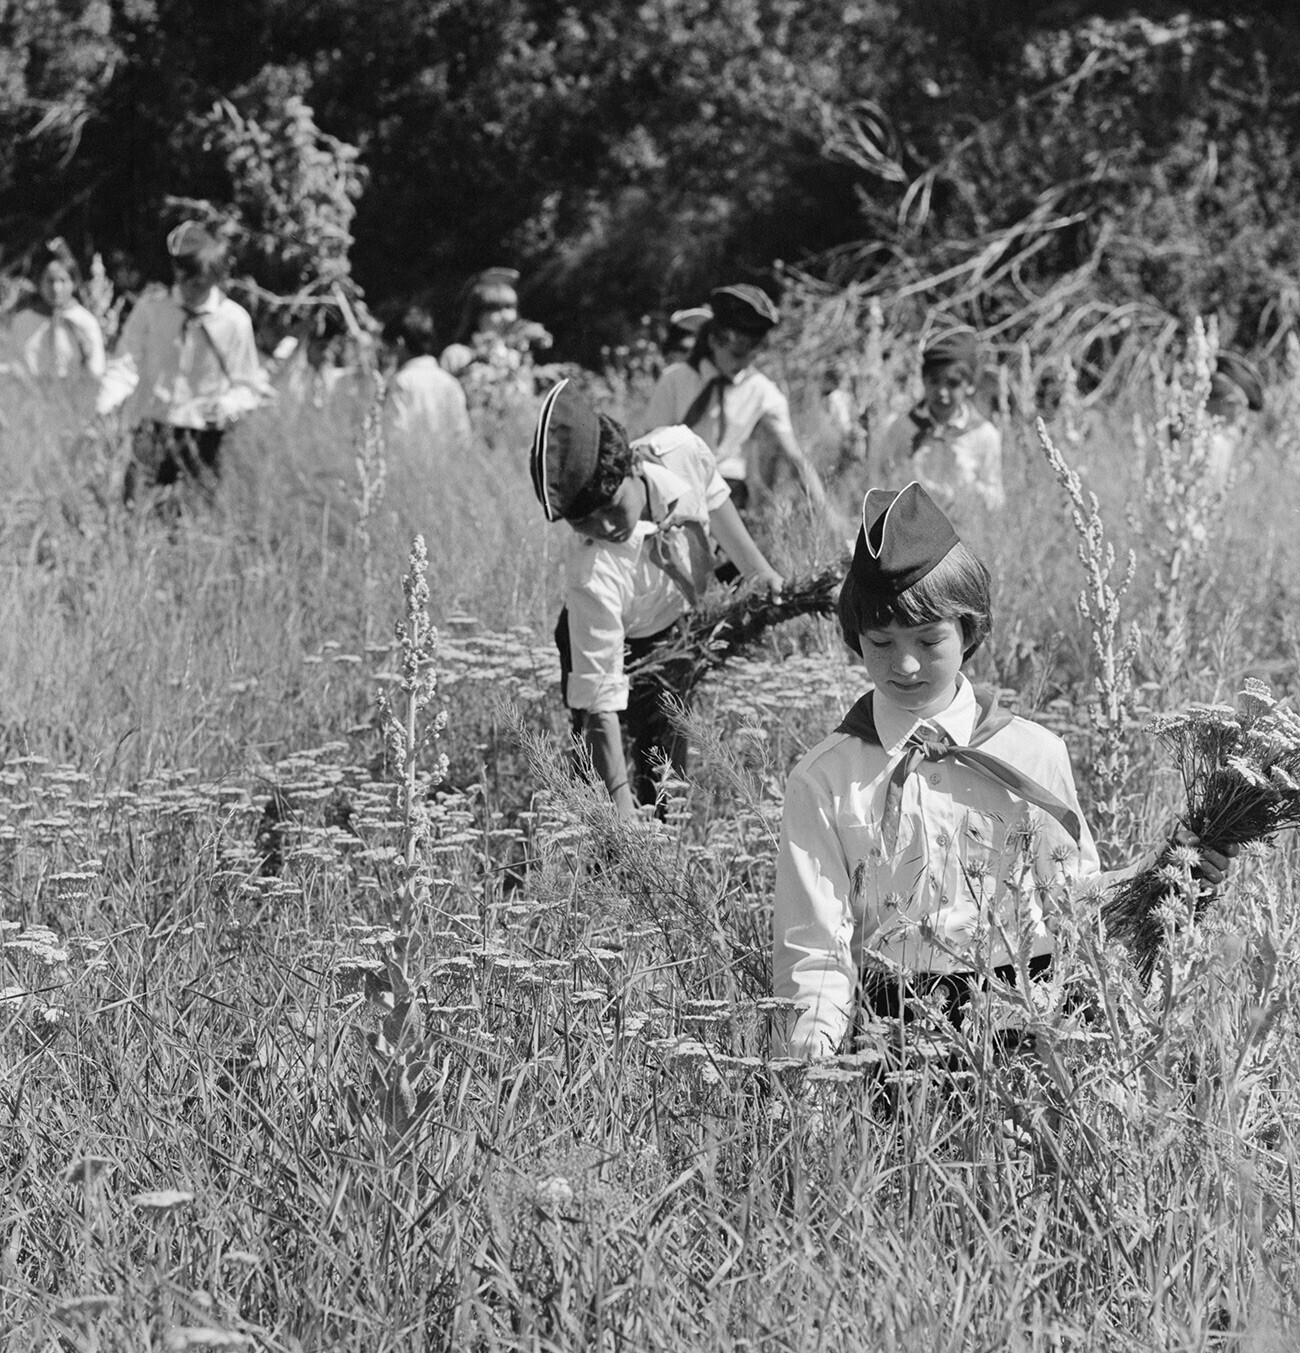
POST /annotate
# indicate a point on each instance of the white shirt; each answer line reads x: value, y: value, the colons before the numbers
x: 427, y: 409
x: 969, y: 871
x: 751, y: 401
x: 615, y: 589
x: 189, y: 370
x: 952, y: 461
x: 66, y: 345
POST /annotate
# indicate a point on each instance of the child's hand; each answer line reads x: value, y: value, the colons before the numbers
x: 769, y: 580
x: 1214, y: 864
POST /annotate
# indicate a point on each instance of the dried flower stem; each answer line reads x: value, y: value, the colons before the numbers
x: 1100, y: 604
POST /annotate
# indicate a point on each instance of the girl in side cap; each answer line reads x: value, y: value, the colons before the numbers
x: 645, y: 515
x: 52, y: 339
x: 728, y: 402
x: 185, y: 368
x: 932, y: 833
x: 945, y: 443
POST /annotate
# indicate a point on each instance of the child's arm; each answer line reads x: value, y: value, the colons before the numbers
x: 739, y: 546
x: 813, y: 922
x: 604, y: 739
x: 781, y: 430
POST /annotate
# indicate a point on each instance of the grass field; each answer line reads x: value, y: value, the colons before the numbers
x: 296, y: 1054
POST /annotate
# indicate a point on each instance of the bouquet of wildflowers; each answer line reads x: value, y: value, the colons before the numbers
x: 1241, y: 772
x: 714, y: 633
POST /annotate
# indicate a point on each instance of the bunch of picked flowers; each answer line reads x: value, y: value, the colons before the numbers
x: 727, y: 624
x: 1241, y: 773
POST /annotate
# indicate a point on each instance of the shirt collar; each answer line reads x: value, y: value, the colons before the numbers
x: 894, y: 725
x: 205, y: 307
x: 708, y: 371
x: 666, y: 492
x: 958, y: 424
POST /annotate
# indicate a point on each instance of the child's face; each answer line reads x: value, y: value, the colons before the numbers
x: 731, y: 349
x: 57, y: 290
x: 615, y: 522
x: 916, y: 666
x: 947, y: 388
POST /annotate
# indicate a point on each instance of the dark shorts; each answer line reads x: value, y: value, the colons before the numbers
x: 885, y: 997
x: 163, y: 455
x: 649, y: 729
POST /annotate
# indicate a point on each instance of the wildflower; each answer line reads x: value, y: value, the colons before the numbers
x: 554, y: 1194
x: 161, y: 1201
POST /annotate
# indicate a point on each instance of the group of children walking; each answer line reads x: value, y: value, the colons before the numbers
x: 932, y: 836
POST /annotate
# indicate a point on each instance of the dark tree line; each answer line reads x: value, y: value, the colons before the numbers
x: 627, y: 153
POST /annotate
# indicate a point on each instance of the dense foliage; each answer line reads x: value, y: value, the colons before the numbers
x: 627, y: 154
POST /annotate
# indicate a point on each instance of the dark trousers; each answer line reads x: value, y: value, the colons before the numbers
x: 163, y: 455
x: 885, y: 996
x: 649, y: 729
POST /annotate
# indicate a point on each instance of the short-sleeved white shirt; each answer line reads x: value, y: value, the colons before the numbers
x: 968, y: 873
x: 615, y: 590
x: 952, y: 461
x: 751, y: 400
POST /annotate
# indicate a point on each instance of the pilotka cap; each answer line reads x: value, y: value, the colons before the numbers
x: 565, y: 451
x: 959, y: 346
x: 745, y: 308
x: 904, y: 534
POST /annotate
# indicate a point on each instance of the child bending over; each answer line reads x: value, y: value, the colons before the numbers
x: 645, y: 515
x: 929, y: 834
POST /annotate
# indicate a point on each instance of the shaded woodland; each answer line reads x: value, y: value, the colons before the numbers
x: 626, y: 155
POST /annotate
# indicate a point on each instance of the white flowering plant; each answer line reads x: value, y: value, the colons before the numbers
x: 1240, y: 769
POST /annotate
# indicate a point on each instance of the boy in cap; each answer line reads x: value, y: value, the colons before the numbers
x: 945, y: 443
x: 185, y: 369
x: 928, y: 836
x: 718, y: 394
x: 645, y: 515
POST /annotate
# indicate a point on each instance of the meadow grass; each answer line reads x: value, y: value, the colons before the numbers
x: 296, y: 1060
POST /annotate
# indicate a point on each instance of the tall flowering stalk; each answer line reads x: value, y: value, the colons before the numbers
x: 1183, y: 494
x: 408, y: 733
x: 372, y: 477
x: 1100, y: 604
x: 400, y: 1049
x: 1241, y: 773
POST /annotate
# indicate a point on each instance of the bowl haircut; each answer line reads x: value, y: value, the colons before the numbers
x: 956, y: 588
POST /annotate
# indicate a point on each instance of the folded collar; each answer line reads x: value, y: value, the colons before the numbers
x: 894, y: 725
x: 206, y: 306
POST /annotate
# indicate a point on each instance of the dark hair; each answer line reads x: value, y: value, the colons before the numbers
x: 614, y: 461
x: 201, y: 255
x: 956, y: 588
x: 415, y: 330
x: 57, y: 251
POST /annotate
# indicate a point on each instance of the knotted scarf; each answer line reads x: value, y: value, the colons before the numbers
x: 933, y: 744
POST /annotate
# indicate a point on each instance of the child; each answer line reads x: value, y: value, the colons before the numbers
x: 52, y: 336
x: 1236, y: 391
x: 185, y: 367
x: 427, y: 411
x: 643, y: 514
x: 929, y: 833
x: 945, y: 443
x: 720, y: 395
x: 683, y: 329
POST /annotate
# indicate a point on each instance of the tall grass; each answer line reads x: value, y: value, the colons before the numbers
x: 241, y: 1107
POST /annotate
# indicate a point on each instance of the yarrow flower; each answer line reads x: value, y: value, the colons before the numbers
x: 1241, y: 772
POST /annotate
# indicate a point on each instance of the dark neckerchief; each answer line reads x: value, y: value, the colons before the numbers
x: 925, y: 746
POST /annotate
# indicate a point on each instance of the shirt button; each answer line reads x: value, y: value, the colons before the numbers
x: 935, y: 777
